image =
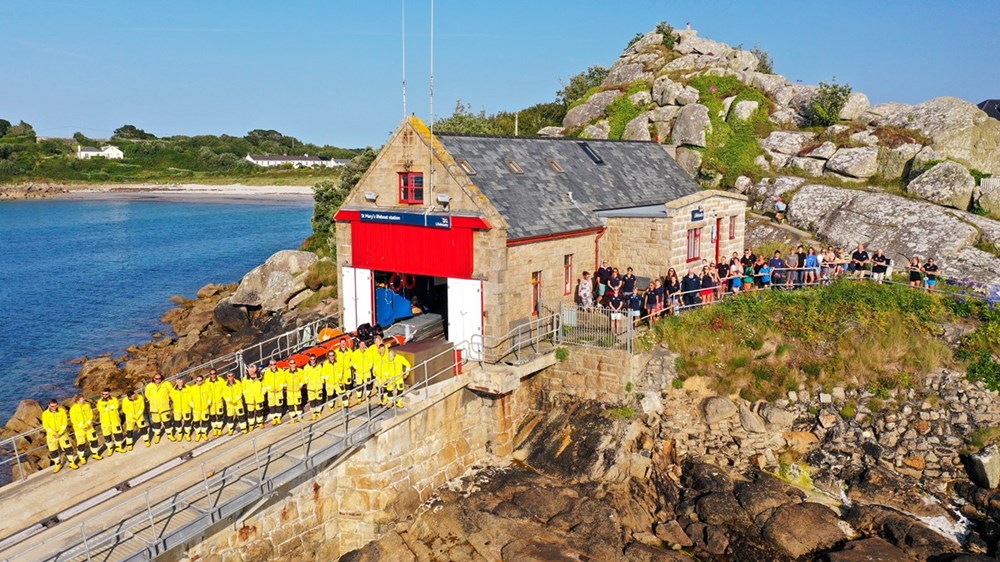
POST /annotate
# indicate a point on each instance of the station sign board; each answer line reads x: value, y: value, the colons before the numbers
x: 411, y: 219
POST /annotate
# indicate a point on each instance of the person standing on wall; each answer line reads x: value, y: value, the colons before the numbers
x: 134, y: 408
x: 216, y: 410
x: 254, y: 397
x: 55, y: 420
x: 314, y: 387
x: 109, y: 413
x: 295, y: 380
x: 232, y: 395
x: 180, y: 399
x: 275, y: 380
x: 399, y: 367
x: 81, y: 415
x: 158, y: 394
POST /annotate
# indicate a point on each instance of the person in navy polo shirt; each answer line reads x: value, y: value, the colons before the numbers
x: 603, y: 273
x: 617, y: 305
x: 628, y: 283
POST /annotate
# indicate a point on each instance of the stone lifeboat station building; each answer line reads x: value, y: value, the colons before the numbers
x: 488, y: 231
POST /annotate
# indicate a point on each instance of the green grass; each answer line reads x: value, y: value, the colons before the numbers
x: 621, y: 413
x: 732, y: 145
x: 848, y: 334
x: 619, y: 113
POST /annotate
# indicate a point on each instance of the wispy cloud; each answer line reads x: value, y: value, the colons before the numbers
x: 51, y: 49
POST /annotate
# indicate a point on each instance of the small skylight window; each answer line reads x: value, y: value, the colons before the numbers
x: 467, y: 167
x: 590, y: 152
x: 515, y: 167
x: 555, y: 166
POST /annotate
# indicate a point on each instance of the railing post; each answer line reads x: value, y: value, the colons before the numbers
x: 149, y: 510
x: 86, y: 546
x: 17, y: 456
x: 256, y: 459
x: 208, y: 490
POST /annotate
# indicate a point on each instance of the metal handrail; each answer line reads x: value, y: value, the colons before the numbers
x: 234, y: 360
x: 526, y: 334
x: 252, y: 468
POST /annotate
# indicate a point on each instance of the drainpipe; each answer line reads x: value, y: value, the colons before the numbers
x: 597, y: 248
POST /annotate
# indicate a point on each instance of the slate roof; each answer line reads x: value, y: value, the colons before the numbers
x: 537, y: 202
x: 991, y: 107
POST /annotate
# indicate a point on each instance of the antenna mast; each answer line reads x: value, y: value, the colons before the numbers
x: 404, y: 59
x: 430, y: 182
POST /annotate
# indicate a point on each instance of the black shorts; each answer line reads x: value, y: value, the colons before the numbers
x: 914, y: 276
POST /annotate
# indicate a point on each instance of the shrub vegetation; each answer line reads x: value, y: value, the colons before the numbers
x: 763, y: 344
x: 732, y: 145
x: 826, y: 105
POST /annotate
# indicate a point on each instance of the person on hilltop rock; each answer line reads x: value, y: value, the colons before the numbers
x: 779, y: 210
x: 159, y: 393
x: 109, y: 413
x: 81, y: 415
x: 931, y: 270
x: 55, y: 420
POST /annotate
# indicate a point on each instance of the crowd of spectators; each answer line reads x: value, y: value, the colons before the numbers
x: 627, y: 296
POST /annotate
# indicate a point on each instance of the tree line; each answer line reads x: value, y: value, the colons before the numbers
x: 26, y: 156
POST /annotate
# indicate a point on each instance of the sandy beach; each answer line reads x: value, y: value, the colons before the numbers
x: 192, y: 192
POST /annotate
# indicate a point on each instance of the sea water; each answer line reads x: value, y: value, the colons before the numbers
x: 82, y: 278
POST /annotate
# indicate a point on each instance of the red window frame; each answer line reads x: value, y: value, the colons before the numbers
x: 536, y: 291
x: 732, y: 227
x: 693, y: 244
x: 411, y: 188
x: 567, y: 274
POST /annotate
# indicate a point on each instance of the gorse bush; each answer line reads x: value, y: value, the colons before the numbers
x: 827, y: 103
x: 764, y: 344
x: 766, y: 64
x: 667, y: 30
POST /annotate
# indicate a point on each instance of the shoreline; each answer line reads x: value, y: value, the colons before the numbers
x: 203, y: 193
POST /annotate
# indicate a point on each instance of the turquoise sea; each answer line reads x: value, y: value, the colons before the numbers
x: 86, y: 277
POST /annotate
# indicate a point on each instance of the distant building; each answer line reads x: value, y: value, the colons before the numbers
x: 107, y: 151
x: 304, y: 161
x: 991, y: 107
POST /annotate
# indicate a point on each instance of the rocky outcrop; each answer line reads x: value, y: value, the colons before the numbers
x: 985, y: 467
x: 901, y: 227
x: 30, y: 190
x: 691, y: 126
x: 948, y: 184
x: 958, y: 129
x: 270, y: 286
x: 589, y: 110
x: 860, y: 163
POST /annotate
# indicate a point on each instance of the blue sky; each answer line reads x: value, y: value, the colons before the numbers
x: 329, y: 71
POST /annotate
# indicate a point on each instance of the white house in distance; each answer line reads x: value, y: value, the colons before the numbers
x: 304, y: 161
x: 107, y: 151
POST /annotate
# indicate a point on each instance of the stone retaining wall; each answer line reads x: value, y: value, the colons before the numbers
x: 594, y: 374
x: 364, y: 495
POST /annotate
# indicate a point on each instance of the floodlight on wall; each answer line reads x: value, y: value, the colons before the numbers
x: 371, y: 196
x: 443, y: 199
